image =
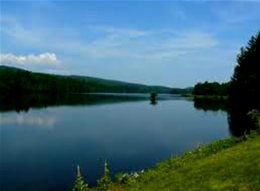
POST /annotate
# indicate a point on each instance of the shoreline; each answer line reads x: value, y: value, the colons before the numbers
x: 156, y: 177
x: 228, y: 158
x: 205, y: 96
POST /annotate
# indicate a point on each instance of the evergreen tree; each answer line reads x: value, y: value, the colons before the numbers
x: 244, y: 91
x: 245, y: 82
x: 79, y: 184
x: 105, y: 183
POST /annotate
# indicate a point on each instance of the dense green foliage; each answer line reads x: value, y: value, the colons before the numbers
x: 211, y: 88
x: 255, y: 117
x: 15, y: 81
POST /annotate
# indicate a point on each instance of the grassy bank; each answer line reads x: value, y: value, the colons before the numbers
x: 230, y: 164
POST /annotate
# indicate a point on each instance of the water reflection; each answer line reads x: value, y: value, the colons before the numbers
x: 238, y: 120
x: 132, y: 135
x: 22, y: 119
x: 153, y: 99
x: 211, y: 104
x: 28, y: 101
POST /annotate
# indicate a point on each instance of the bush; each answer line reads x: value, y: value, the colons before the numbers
x: 255, y: 117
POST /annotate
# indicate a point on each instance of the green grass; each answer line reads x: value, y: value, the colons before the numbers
x: 231, y: 164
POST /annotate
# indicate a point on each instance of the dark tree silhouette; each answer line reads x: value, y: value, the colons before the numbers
x: 245, y: 82
x: 153, y: 98
x: 244, y: 92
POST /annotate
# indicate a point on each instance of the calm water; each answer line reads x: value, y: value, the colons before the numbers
x: 42, y: 143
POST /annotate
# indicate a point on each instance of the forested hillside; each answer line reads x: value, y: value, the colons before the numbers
x: 17, y: 81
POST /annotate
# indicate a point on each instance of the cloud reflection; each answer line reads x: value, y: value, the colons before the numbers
x: 22, y: 119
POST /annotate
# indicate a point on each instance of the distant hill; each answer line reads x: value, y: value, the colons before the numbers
x: 4, y: 67
x: 126, y: 86
x: 16, y: 80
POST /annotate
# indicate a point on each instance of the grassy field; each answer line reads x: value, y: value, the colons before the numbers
x: 231, y: 164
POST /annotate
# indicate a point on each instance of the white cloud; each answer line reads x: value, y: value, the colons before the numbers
x: 45, y: 58
x: 108, y: 42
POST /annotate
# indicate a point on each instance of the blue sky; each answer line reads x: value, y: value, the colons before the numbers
x: 172, y: 43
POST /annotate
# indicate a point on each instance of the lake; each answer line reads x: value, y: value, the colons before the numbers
x: 43, y: 139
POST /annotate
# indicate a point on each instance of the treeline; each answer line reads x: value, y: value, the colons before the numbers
x: 15, y: 81
x: 211, y: 88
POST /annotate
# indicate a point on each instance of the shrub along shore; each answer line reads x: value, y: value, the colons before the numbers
x: 225, y: 97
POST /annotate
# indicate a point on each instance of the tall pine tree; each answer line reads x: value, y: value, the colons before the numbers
x: 245, y: 82
x: 244, y: 91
